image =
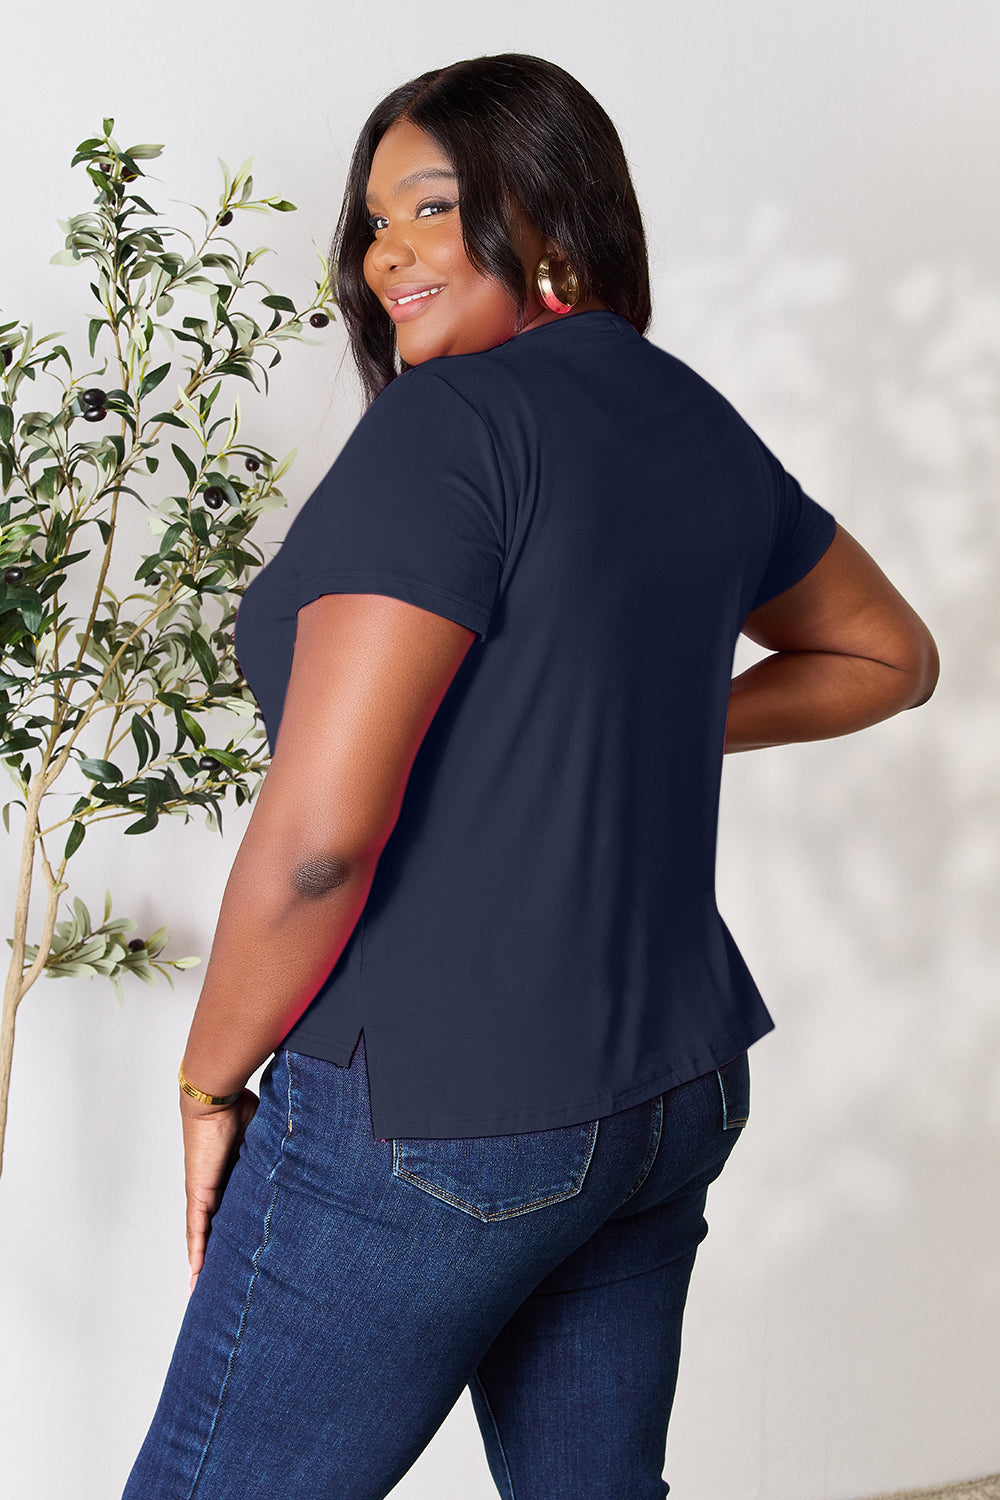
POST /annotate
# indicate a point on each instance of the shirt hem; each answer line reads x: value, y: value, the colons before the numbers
x: 805, y: 560
x: 397, y: 586
x: 547, y: 1117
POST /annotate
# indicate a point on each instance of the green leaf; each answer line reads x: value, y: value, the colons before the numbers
x: 152, y: 380
x: 194, y: 729
x: 6, y: 424
x: 208, y: 664
x: 83, y: 923
x: 152, y: 464
x: 6, y: 812
x: 120, y: 924
x: 109, y: 125
x: 94, y: 328
x: 141, y: 739
x: 199, y: 525
x: 227, y: 758
x: 144, y: 825
x: 230, y: 367
x: 31, y: 613
x: 143, y: 153
x: 169, y: 537
x: 284, y: 304
x: 146, y: 727
x: 285, y: 465
x: 100, y: 770
x: 75, y: 839
x: 282, y: 206
x: 45, y: 484
x: 208, y: 401
x: 185, y: 463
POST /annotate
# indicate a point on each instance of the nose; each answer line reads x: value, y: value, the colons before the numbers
x: 392, y: 249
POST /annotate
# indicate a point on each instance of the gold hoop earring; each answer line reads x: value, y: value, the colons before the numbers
x: 551, y: 298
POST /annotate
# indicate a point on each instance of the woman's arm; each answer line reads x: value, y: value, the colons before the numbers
x: 849, y: 652
x: 368, y: 674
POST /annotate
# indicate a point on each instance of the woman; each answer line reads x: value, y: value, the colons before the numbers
x: 472, y: 923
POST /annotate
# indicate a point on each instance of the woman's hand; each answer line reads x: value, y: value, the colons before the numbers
x: 212, y: 1138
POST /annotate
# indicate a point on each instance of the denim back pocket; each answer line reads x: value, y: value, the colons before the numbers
x: 734, y: 1085
x: 499, y: 1176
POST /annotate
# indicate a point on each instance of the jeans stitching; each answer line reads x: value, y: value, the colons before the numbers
x: 253, y: 1278
x: 647, y: 1165
x: 496, y: 1433
x: 398, y: 1170
x: 729, y: 1122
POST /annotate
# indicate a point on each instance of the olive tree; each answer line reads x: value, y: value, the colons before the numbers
x: 102, y: 692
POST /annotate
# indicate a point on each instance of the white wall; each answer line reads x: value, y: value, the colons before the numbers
x: 819, y: 184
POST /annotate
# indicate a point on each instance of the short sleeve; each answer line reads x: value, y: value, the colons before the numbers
x: 802, y: 530
x: 413, y: 506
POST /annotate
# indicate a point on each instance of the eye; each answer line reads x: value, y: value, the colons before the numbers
x: 436, y: 203
x: 433, y: 203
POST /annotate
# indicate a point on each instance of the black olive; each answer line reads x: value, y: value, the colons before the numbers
x: 252, y: 465
x: 208, y: 763
x: 319, y: 320
x: 214, y: 497
x: 94, y: 396
x: 227, y: 217
x: 8, y: 355
x: 128, y: 176
x: 94, y: 413
x: 13, y: 575
x: 136, y: 945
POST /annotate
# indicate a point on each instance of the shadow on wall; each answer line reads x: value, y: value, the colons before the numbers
x: 860, y: 879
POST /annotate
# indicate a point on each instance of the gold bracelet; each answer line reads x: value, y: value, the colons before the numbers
x: 194, y: 1093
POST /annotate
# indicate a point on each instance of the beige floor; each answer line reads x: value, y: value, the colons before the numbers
x: 972, y: 1489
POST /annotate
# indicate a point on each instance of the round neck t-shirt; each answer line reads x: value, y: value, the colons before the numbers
x: 541, y: 944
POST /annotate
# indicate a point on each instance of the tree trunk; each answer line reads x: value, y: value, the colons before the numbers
x: 18, y: 982
x: 10, y: 1004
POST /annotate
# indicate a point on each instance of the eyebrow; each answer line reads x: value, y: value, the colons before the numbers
x: 413, y: 179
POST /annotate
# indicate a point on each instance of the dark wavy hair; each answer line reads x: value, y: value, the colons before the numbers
x: 516, y: 129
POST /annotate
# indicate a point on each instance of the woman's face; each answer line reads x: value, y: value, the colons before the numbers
x: 417, y: 244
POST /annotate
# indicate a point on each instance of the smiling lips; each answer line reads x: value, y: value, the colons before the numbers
x: 410, y: 301
x: 407, y: 290
x: 413, y: 296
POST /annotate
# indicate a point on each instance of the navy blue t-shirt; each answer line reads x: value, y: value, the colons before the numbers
x: 541, y: 944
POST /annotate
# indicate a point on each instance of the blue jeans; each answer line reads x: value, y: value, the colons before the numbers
x: 353, y: 1287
